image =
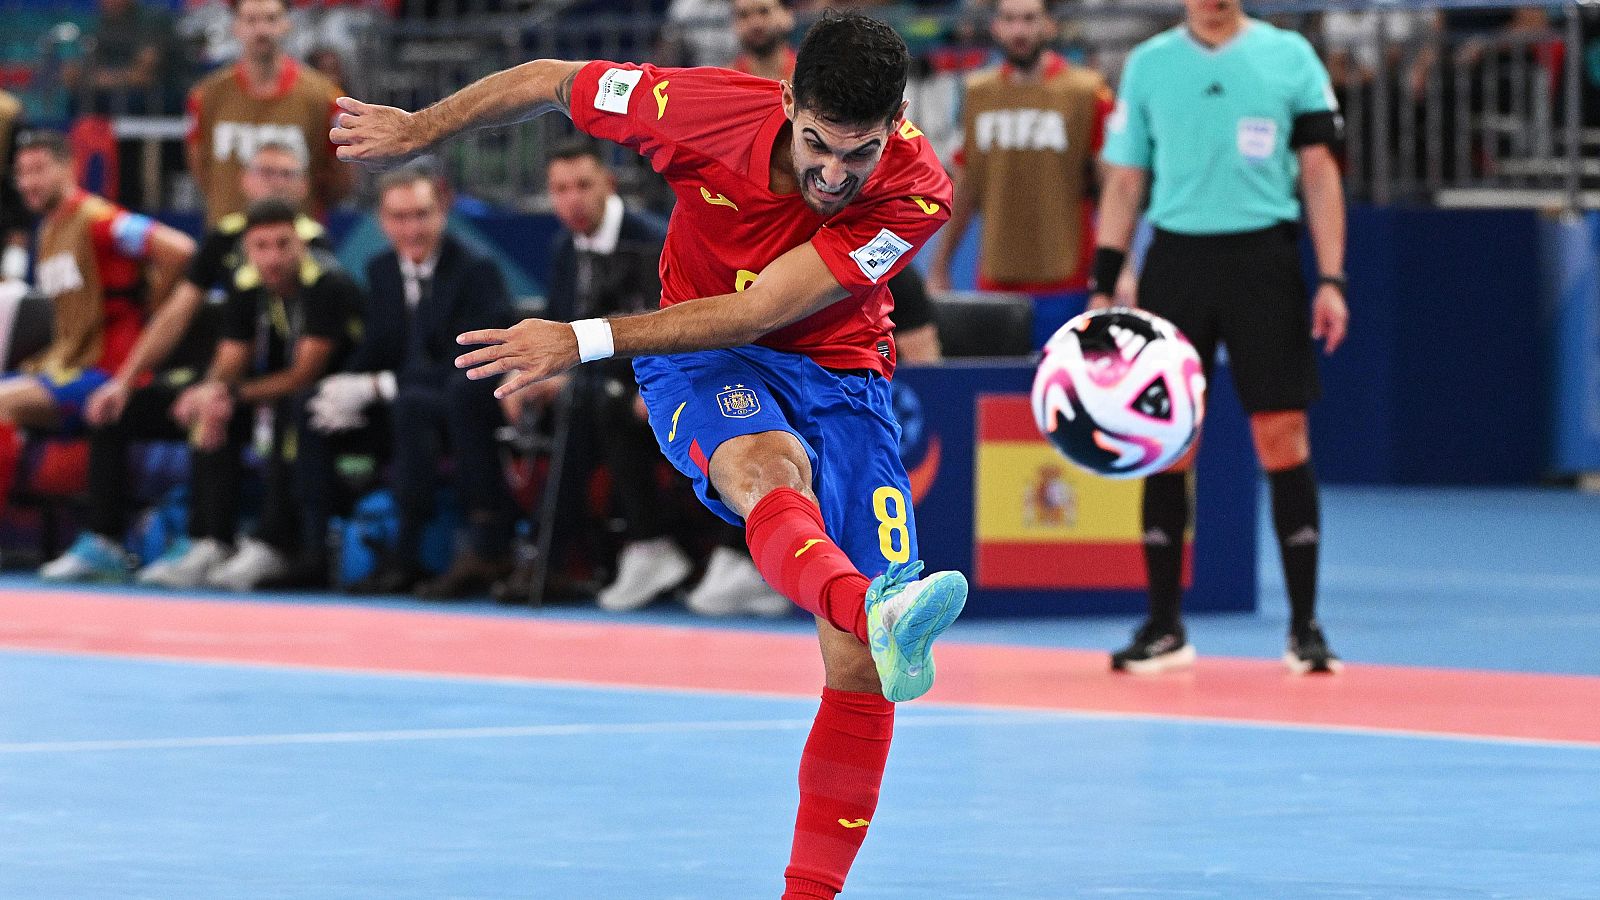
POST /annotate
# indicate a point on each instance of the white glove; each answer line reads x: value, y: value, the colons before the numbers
x: 13, y: 263
x: 328, y: 419
x: 340, y: 399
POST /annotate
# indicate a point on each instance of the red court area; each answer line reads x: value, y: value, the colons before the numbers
x: 1402, y: 699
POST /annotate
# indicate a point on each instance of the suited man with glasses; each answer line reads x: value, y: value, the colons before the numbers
x: 428, y: 288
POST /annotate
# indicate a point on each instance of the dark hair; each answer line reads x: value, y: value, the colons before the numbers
x: 270, y: 211
x: 47, y: 139
x: 576, y: 148
x: 851, y: 69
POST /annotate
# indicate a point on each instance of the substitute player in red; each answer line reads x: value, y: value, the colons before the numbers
x: 766, y: 369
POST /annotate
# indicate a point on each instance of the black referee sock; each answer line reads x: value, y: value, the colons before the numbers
x: 1166, y: 517
x: 1296, y: 517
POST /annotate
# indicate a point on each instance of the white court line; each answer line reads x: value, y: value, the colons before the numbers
x: 507, y: 731
x: 1038, y: 717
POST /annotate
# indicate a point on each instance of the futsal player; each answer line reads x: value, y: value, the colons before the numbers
x: 1232, y: 118
x: 766, y: 369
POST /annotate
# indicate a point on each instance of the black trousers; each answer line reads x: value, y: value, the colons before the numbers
x: 148, y: 417
x: 606, y: 429
x: 461, y: 417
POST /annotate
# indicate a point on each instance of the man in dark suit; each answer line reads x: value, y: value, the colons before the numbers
x: 605, y: 261
x: 425, y: 291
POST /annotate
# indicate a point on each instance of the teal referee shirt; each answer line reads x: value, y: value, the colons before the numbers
x: 1213, y: 126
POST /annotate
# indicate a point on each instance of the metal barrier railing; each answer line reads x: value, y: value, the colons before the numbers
x: 1448, y: 101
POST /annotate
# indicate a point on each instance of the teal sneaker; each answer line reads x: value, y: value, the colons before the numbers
x: 904, y: 615
x: 90, y: 558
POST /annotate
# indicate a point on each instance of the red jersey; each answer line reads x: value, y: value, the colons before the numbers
x: 710, y: 133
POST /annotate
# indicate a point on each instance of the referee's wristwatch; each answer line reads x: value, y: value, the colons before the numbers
x: 1339, y: 281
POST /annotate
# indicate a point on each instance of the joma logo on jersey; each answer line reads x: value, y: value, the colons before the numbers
x: 738, y: 402
x: 59, y: 274
x: 1021, y: 129
x: 240, y: 139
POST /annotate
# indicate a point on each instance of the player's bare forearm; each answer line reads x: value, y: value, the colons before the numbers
x: 794, y: 286
x: 228, y: 361
x: 1119, y: 206
x: 1324, y: 202
x: 370, y: 132
x: 162, y: 332
x: 169, y: 252
x: 963, y: 202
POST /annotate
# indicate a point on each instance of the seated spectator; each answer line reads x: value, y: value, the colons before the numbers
x: 291, y: 315
x: 175, y: 348
x: 605, y: 261
x: 426, y: 290
x: 95, y: 261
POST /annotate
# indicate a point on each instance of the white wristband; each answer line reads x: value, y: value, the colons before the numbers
x: 594, y: 339
x: 13, y: 263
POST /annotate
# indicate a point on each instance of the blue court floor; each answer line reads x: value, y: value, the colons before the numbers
x: 123, y: 777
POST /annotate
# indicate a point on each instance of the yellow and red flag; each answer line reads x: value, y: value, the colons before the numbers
x: 1041, y: 522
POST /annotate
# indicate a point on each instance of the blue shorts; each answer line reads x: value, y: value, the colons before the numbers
x: 845, y: 422
x: 70, y: 393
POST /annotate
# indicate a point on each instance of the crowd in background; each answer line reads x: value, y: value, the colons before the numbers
x: 322, y: 412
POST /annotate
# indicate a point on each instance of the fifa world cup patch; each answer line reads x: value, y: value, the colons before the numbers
x: 878, y: 255
x: 615, y: 87
x: 738, y: 402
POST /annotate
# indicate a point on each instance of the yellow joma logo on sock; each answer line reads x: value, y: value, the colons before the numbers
x: 809, y: 544
x: 859, y: 823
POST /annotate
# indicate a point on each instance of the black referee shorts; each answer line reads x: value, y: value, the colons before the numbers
x: 1244, y: 291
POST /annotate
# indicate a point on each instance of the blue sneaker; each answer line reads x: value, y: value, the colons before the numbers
x: 90, y: 558
x: 903, y: 617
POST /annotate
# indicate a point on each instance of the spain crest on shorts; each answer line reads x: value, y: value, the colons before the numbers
x: 738, y: 402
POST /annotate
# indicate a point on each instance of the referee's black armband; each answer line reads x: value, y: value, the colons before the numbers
x: 1326, y: 127
x: 1107, y: 266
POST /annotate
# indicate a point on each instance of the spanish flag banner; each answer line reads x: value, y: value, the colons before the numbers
x: 1041, y: 522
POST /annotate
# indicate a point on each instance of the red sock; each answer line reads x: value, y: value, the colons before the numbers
x: 840, y: 771
x: 792, y: 550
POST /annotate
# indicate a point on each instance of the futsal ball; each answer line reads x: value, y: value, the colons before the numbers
x: 1120, y: 392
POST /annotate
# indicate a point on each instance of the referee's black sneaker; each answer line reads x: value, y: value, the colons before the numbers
x: 1308, y: 652
x: 1155, y: 648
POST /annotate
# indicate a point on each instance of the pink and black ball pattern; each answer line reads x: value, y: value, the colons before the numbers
x: 1120, y: 392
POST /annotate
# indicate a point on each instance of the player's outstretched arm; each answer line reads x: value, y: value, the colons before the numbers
x: 794, y: 286
x: 372, y: 133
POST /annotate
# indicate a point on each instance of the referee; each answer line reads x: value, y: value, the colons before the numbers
x: 1227, y: 116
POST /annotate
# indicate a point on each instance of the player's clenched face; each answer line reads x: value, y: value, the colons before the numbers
x: 275, y: 250
x: 579, y: 188
x: 261, y: 27
x: 832, y: 160
x: 1022, y: 28
x: 42, y: 180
